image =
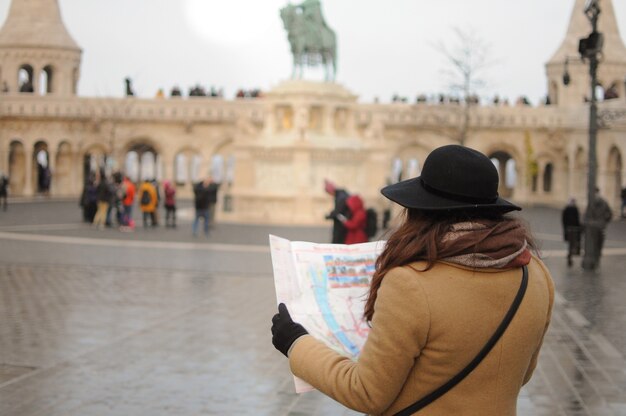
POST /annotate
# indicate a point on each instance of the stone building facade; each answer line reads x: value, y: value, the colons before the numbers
x: 272, y: 154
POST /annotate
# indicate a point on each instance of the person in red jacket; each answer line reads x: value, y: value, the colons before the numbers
x: 355, y: 225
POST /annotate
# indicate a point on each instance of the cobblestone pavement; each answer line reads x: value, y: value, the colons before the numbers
x: 156, y: 322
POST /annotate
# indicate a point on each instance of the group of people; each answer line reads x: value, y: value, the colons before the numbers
x: 106, y: 202
x: 596, y: 218
x: 350, y: 218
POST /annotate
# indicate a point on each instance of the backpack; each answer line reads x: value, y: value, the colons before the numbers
x: 145, y: 198
x: 371, y: 222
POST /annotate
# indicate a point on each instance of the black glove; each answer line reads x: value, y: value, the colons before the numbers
x: 284, y: 330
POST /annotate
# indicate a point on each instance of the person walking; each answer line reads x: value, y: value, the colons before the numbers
x: 597, y: 217
x: 148, y: 203
x: 340, y: 196
x: 570, y: 218
x: 445, y: 288
x: 4, y: 190
x: 355, y: 225
x: 205, y: 197
x: 169, y: 190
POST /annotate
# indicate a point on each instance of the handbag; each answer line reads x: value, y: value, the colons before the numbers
x: 431, y: 397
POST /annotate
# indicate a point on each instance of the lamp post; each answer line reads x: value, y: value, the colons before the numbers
x: 590, y: 48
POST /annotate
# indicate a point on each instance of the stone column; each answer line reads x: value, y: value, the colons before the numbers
x: 303, y: 203
x: 52, y: 163
x: 28, y: 171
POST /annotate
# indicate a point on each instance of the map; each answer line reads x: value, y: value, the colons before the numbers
x: 325, y: 287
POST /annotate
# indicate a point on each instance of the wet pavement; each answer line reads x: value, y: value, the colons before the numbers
x: 156, y: 322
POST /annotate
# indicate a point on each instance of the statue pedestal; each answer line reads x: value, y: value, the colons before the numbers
x: 310, y: 134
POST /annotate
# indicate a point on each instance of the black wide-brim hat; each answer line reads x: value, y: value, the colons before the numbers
x: 453, y: 178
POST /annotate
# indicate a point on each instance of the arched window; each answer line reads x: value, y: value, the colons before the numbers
x: 396, y: 170
x: 148, y: 166
x: 45, y: 80
x: 132, y: 166
x: 547, y: 178
x: 511, y: 174
x: 196, y: 165
x: 217, y: 168
x: 181, y: 169
x: 25, y: 79
x: 412, y: 168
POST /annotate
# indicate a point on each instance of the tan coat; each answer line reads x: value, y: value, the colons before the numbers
x: 427, y: 326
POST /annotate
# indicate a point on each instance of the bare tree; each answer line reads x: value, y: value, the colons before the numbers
x: 467, y: 60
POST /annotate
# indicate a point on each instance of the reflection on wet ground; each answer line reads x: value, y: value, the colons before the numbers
x: 182, y: 327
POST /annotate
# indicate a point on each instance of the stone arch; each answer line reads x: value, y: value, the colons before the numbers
x: 613, y: 176
x: 94, y: 161
x: 187, y: 164
x: 222, y: 162
x: 17, y: 167
x: 26, y: 78
x: 545, y: 173
x: 143, y: 160
x: 63, y: 178
x: 547, y: 177
x: 46, y: 80
x: 508, y: 171
x: 41, y: 174
x: 407, y: 161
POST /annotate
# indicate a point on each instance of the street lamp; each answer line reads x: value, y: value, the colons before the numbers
x: 590, y: 48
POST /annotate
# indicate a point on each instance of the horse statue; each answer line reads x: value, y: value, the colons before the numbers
x: 312, y: 41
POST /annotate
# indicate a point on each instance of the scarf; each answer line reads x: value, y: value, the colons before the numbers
x: 486, y: 244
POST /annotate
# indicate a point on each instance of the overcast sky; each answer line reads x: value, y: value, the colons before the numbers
x: 384, y: 47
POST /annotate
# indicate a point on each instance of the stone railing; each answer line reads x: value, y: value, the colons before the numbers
x: 186, y: 110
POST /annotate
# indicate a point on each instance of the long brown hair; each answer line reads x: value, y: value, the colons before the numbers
x: 417, y: 240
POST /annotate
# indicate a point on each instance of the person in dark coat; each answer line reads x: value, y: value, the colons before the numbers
x: 340, y: 208
x: 597, y: 217
x: 4, y: 190
x: 570, y: 218
x: 205, y: 197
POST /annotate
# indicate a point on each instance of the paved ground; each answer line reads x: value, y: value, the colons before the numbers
x: 156, y: 322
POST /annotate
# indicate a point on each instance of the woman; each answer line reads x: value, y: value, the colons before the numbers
x: 445, y: 280
x: 355, y: 225
x: 170, y: 203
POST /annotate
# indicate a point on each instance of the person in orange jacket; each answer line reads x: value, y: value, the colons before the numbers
x: 148, y: 202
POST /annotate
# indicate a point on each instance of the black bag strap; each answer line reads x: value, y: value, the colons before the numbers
x: 431, y: 397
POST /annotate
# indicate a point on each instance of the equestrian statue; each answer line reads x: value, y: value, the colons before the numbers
x: 312, y: 41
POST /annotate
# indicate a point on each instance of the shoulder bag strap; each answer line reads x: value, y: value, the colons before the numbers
x: 431, y: 397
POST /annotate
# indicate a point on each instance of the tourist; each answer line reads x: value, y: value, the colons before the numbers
x: 597, y: 218
x: 89, y: 199
x: 169, y: 190
x: 453, y: 272
x: 355, y: 224
x: 127, y: 203
x: 570, y: 218
x: 4, y: 190
x: 103, y: 192
x: 148, y: 203
x: 340, y: 207
x: 205, y: 198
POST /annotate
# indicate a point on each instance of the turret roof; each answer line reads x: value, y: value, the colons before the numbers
x: 36, y: 23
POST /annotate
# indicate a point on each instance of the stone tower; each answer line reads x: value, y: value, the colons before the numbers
x: 37, y: 54
x: 612, y: 69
